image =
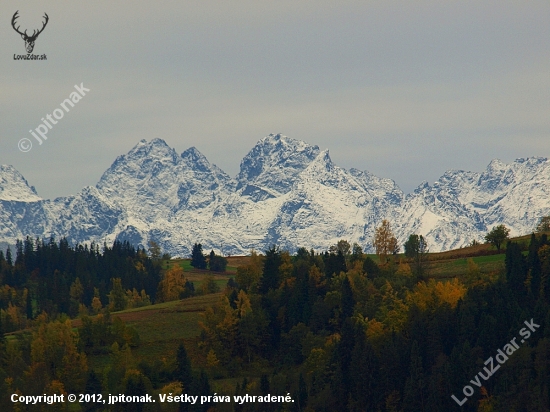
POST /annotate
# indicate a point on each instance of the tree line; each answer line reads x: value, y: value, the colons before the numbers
x: 339, y: 330
x: 345, y: 333
x: 55, y: 278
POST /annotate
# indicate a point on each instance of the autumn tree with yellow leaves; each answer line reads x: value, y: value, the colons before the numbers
x: 385, y: 241
x: 172, y: 285
x: 248, y: 275
x: 54, y: 344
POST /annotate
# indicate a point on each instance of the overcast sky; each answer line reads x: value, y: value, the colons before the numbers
x: 405, y: 90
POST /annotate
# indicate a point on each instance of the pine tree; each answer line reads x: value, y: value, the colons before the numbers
x: 117, y: 297
x: 183, y: 374
x: 416, y: 249
x: 370, y: 268
x: 515, y: 268
x: 29, y: 306
x: 198, y: 261
x: 264, y: 385
x: 270, y: 278
x: 9, y: 259
x: 302, y: 393
x: 93, y: 385
x: 183, y: 368
x: 414, y: 394
x: 364, y: 375
x: 347, y: 302
x: 217, y: 263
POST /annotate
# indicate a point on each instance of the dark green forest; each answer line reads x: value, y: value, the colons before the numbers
x: 339, y: 330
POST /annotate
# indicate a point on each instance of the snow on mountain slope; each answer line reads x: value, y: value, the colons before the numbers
x: 327, y: 203
x: 163, y: 192
x: 515, y: 194
x: 20, y: 207
x: 14, y: 187
x: 462, y: 206
x: 270, y: 168
x: 152, y: 181
x: 87, y: 216
x: 436, y: 213
x: 287, y: 193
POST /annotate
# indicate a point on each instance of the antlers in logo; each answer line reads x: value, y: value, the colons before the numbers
x: 29, y: 40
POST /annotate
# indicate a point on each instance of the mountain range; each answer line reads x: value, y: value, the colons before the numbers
x: 288, y: 193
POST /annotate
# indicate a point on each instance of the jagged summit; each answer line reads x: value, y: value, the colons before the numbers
x: 193, y: 155
x: 14, y: 187
x: 274, y: 162
x: 287, y: 192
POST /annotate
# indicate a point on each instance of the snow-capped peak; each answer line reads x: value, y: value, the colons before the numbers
x: 14, y: 187
x: 288, y: 193
x: 274, y: 162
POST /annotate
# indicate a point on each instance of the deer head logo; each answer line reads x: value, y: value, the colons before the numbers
x: 29, y: 40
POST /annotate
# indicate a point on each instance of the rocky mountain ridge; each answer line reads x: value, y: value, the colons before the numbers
x: 287, y: 193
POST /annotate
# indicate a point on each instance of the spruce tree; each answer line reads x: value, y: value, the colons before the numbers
x: 534, y: 266
x: 9, y: 258
x: 29, y: 306
x: 348, y: 302
x: 370, y: 268
x: 183, y: 369
x: 270, y: 278
x: 211, y: 257
x: 335, y: 263
x: 302, y: 393
x: 134, y: 386
x: 264, y: 385
x: 515, y: 268
x: 416, y: 249
x: 415, y: 386
x: 93, y: 385
x: 201, y: 387
x: 198, y: 261
x: 364, y: 374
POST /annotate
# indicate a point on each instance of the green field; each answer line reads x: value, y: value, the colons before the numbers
x: 186, y: 265
x: 458, y: 267
x: 162, y: 328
